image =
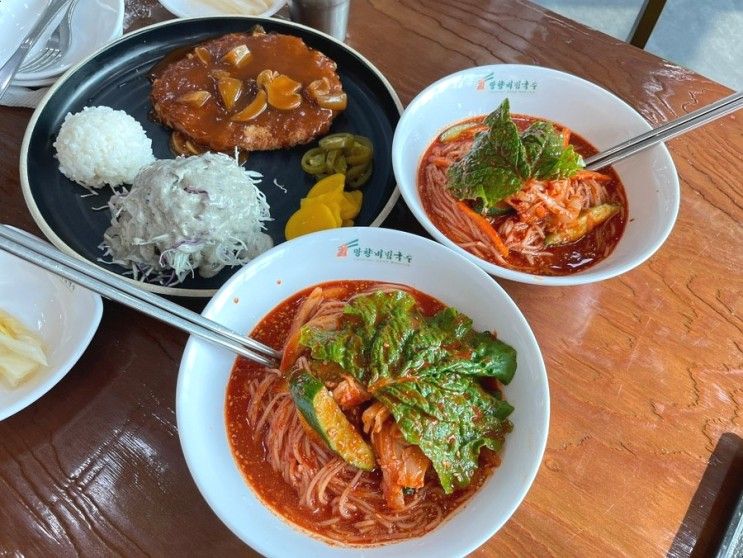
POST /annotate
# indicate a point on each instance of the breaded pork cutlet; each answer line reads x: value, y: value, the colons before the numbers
x: 254, y: 91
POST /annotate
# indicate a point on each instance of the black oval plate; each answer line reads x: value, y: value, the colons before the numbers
x: 117, y: 76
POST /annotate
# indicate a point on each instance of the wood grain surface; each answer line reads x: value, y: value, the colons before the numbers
x: 646, y: 370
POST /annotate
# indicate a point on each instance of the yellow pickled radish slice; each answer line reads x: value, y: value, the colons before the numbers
x: 328, y: 201
x: 314, y: 217
x: 329, y: 184
x: 349, y: 206
x: 352, y: 203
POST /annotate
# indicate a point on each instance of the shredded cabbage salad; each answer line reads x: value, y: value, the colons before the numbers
x: 189, y: 214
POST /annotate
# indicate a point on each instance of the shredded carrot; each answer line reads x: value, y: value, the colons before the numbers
x: 485, y: 226
x: 439, y: 161
x: 589, y: 174
x: 292, y: 351
x: 566, y: 136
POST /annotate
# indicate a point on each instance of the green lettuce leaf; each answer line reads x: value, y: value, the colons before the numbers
x: 496, y: 166
x: 426, y: 371
x: 501, y: 160
x: 450, y: 417
x: 548, y: 158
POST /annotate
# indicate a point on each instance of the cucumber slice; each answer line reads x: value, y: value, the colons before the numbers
x: 496, y: 210
x: 585, y: 223
x: 452, y: 133
x: 322, y: 413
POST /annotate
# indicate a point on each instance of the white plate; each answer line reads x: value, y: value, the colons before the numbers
x: 65, y: 316
x: 198, y: 8
x: 34, y: 82
x: 271, y: 278
x: 94, y: 23
x: 649, y: 178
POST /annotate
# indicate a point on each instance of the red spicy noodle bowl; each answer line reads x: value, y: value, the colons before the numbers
x: 520, y: 233
x: 374, y: 486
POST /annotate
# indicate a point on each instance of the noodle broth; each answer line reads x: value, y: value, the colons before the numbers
x: 340, y: 504
x: 440, y: 206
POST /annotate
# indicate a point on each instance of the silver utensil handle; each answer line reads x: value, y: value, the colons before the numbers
x: 667, y: 131
x: 86, y: 268
x: 110, y: 286
x: 9, y: 69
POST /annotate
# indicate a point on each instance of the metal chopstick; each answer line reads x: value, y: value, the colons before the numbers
x: 676, y: 127
x: 110, y: 286
x: 42, y: 247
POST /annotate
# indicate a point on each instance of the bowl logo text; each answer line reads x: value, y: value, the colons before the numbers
x: 355, y: 250
x: 491, y: 83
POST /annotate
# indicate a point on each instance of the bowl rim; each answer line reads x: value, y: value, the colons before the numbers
x: 253, y: 539
x: 589, y: 275
x: 87, y: 329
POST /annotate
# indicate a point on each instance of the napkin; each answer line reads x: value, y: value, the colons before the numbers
x: 17, y: 96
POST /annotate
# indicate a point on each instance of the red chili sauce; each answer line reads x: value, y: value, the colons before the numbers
x: 249, y: 452
x: 562, y: 260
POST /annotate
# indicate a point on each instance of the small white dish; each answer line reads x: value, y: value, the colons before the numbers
x: 94, y: 23
x: 63, y: 315
x: 649, y: 178
x: 200, y: 8
x: 342, y: 254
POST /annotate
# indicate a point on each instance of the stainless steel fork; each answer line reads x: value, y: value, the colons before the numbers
x: 55, y: 48
x: 46, y: 56
x: 8, y: 70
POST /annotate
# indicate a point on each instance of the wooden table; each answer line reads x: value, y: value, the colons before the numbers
x: 646, y: 370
